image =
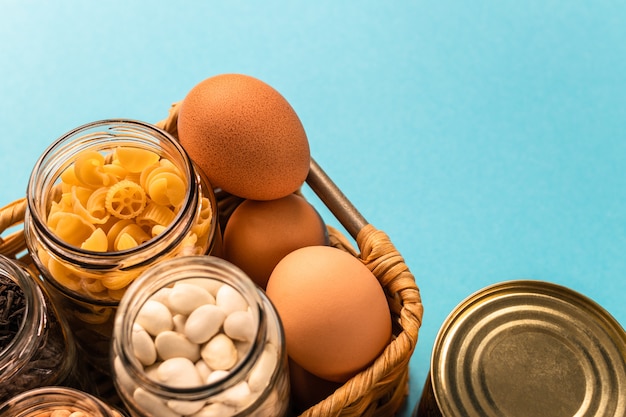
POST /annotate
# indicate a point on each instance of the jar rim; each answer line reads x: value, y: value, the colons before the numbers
x: 31, y: 401
x: 104, y: 260
x: 165, y: 273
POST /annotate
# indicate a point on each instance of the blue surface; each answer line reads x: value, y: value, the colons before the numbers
x: 488, y: 140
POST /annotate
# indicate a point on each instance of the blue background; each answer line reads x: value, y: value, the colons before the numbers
x: 488, y: 139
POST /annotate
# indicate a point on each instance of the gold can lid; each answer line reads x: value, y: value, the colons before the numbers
x: 529, y: 348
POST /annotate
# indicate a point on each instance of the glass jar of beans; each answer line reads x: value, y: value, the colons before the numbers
x: 36, y: 348
x: 57, y: 401
x: 194, y: 336
x: 104, y: 202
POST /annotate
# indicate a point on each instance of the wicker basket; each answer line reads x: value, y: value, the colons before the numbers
x: 380, y: 389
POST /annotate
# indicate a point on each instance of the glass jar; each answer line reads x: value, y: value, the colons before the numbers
x: 115, y: 176
x: 36, y: 348
x: 256, y: 384
x: 43, y: 401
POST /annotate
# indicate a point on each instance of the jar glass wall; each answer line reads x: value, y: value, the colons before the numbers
x: 62, y: 400
x: 194, y: 374
x: 104, y: 202
x: 36, y: 348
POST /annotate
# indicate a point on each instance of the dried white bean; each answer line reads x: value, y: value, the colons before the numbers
x: 229, y: 299
x: 179, y: 323
x: 210, y: 285
x: 170, y: 344
x: 152, y: 405
x: 143, y: 346
x: 238, y: 395
x: 217, y: 376
x: 204, y: 322
x: 185, y: 298
x: 179, y: 373
x: 203, y: 369
x: 219, y: 352
x: 186, y: 407
x: 240, y: 325
x: 154, y: 317
x: 216, y: 410
x: 262, y: 371
x: 162, y: 296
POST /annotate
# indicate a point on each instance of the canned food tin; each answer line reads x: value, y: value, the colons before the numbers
x: 527, y: 348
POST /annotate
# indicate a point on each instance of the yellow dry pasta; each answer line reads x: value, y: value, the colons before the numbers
x: 84, y: 206
x: 167, y: 188
x: 92, y: 285
x: 96, y: 205
x: 135, y: 159
x: 114, y: 232
x: 125, y: 200
x: 70, y: 227
x: 203, y: 222
x: 132, y: 231
x: 63, y: 275
x: 88, y: 169
x: 118, y: 280
x: 155, y: 214
x: 112, y: 201
x: 97, y: 242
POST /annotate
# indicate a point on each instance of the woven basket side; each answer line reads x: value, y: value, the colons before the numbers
x: 380, y: 389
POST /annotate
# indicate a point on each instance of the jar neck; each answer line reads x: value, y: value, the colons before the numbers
x: 46, y: 399
x: 165, y: 274
x: 28, y: 338
x: 102, y: 136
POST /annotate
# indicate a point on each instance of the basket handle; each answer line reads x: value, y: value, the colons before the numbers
x: 335, y: 200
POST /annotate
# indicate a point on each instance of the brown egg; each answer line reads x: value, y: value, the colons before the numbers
x: 259, y: 234
x: 334, y: 311
x: 245, y: 136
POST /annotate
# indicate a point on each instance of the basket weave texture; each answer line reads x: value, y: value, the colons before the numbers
x: 380, y: 389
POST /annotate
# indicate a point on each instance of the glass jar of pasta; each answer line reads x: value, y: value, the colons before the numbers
x: 36, y: 348
x: 55, y: 401
x: 194, y: 336
x: 104, y: 202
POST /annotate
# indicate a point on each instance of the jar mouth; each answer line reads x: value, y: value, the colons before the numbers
x: 39, y: 400
x: 167, y: 273
x: 101, y: 136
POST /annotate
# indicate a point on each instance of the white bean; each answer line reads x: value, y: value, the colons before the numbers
x: 240, y: 325
x: 179, y: 373
x: 152, y: 405
x: 229, y: 299
x: 203, y: 369
x: 162, y: 295
x: 238, y: 395
x: 210, y: 285
x: 262, y: 371
x: 170, y: 344
x: 204, y: 322
x: 179, y: 323
x: 185, y: 298
x: 143, y: 346
x: 186, y: 407
x: 219, y: 352
x: 216, y: 410
x: 217, y: 376
x: 154, y: 317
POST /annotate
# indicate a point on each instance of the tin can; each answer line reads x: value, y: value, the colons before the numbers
x: 527, y: 348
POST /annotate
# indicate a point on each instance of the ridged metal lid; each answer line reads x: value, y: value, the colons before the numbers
x: 530, y: 348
